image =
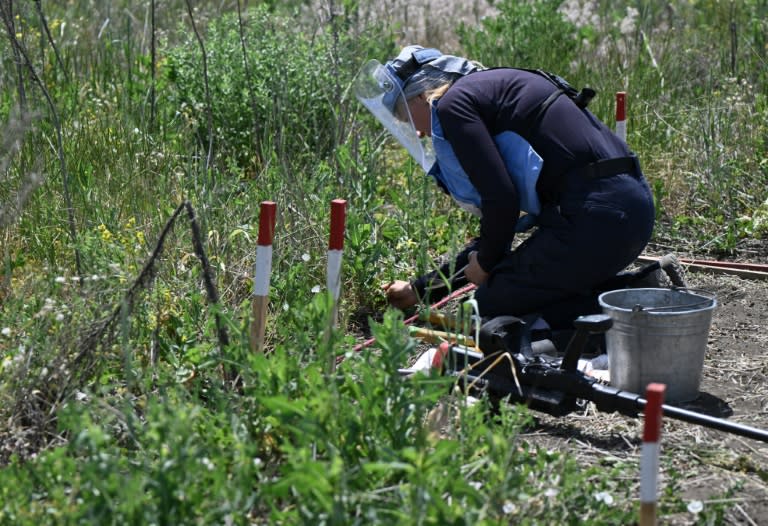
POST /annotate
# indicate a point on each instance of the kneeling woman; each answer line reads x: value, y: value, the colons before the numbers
x: 506, y: 141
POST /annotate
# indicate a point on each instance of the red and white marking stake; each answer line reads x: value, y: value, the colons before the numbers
x: 621, y: 115
x: 336, y: 247
x: 649, y: 460
x: 333, y: 271
x: 262, y: 273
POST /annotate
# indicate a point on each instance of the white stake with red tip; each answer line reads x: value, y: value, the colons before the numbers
x: 336, y: 247
x: 333, y: 271
x: 621, y: 115
x: 649, y: 460
x: 262, y: 273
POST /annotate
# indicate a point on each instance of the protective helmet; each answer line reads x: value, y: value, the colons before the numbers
x: 403, y: 67
x: 415, y: 70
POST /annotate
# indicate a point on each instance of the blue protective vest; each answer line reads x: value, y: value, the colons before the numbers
x: 521, y: 160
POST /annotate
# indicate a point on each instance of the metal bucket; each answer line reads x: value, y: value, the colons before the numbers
x: 658, y: 335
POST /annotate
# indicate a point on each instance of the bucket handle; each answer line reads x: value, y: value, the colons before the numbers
x: 709, y: 298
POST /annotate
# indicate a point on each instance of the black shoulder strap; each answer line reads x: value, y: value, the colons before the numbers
x: 580, y: 98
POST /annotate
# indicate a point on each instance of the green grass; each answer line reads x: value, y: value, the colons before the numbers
x: 112, y: 390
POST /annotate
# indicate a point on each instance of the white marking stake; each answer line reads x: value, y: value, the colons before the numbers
x: 262, y: 273
x: 649, y: 460
x: 333, y: 271
x: 621, y: 115
x: 336, y: 247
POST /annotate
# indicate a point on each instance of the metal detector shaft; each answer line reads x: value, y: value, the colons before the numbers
x: 553, y: 391
x: 714, y: 423
x: 612, y: 399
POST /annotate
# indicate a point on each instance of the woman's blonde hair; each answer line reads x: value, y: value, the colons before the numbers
x: 434, y: 94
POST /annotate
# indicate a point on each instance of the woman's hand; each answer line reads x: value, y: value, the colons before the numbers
x: 400, y: 294
x: 474, y: 271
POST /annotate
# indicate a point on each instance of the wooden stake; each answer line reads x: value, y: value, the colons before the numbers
x: 333, y: 271
x: 335, y: 250
x: 262, y: 273
x: 649, y: 460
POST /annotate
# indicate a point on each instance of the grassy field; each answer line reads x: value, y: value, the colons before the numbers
x: 138, y: 142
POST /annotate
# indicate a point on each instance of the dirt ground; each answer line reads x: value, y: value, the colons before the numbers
x: 721, y: 471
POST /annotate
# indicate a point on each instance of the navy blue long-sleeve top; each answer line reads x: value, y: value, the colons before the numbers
x: 483, y: 104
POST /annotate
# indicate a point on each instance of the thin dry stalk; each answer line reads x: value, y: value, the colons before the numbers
x: 153, y: 66
x: 103, y: 330
x: 44, y: 23
x: 208, y: 102
x: 6, y: 13
x: 247, y: 69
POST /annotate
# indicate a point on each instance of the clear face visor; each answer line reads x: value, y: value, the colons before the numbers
x: 379, y: 88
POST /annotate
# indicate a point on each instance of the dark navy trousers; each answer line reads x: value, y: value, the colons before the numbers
x: 595, y: 230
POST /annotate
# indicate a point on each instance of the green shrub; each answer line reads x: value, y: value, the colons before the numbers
x: 279, y: 101
x: 532, y: 34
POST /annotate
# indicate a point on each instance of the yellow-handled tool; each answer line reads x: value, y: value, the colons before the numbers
x: 433, y: 336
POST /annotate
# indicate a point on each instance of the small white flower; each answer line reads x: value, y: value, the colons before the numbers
x: 59, y: 316
x: 476, y: 485
x: 604, y: 496
x: 305, y: 257
x: 551, y: 492
x: 205, y: 461
x: 315, y: 289
x: 6, y: 331
x: 60, y: 279
x: 509, y: 507
x: 695, y: 506
x: 285, y: 307
x: 257, y: 461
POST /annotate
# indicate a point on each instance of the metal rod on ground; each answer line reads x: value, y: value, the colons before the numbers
x: 262, y: 272
x: 621, y: 115
x: 743, y: 270
x: 333, y: 271
x: 649, y: 461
